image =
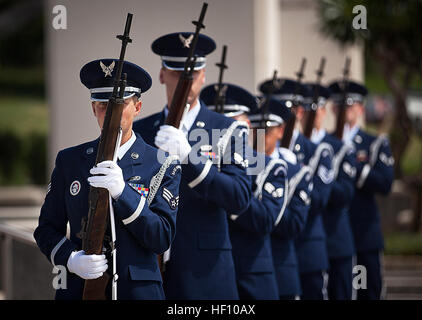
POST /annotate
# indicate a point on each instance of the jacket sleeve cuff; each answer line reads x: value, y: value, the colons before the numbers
x: 197, y: 173
x: 129, y: 205
x: 61, y: 252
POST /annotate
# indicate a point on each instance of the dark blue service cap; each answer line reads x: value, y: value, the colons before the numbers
x: 98, y: 77
x: 356, y: 92
x: 323, y: 94
x: 174, y: 49
x: 274, y: 114
x: 238, y: 100
x: 285, y: 89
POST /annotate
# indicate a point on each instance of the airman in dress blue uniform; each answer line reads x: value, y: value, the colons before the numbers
x: 311, y: 245
x: 374, y: 175
x: 213, y: 183
x: 298, y: 188
x: 250, y: 231
x: 144, y: 195
x: 340, y: 244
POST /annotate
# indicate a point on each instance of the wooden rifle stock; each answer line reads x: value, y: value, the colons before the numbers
x: 288, y: 131
x: 180, y: 96
x: 94, y: 227
x: 179, y: 100
x: 181, y: 93
x: 309, y: 126
x: 341, y: 116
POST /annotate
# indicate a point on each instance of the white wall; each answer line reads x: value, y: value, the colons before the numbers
x: 261, y: 35
x: 91, y: 29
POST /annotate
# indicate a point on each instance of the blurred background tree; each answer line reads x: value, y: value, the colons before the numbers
x: 23, y: 110
x: 393, y: 44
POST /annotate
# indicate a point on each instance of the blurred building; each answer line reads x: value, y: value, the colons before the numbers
x: 261, y: 35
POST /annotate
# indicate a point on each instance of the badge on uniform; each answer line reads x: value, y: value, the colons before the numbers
x: 48, y: 188
x: 75, y: 187
x: 361, y: 156
x: 206, y: 151
x: 172, y: 201
x: 358, y: 139
x: 175, y: 169
x: 388, y: 161
x: 305, y: 198
x: 276, y: 193
x: 140, y: 188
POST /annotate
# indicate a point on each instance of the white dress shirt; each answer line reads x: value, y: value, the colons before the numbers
x: 126, y: 146
x: 349, y: 133
x: 317, y: 135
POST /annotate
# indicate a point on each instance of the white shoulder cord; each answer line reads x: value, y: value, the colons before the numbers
x: 113, y: 227
x: 375, y: 148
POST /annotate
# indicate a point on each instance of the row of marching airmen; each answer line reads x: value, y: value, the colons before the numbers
x: 275, y: 214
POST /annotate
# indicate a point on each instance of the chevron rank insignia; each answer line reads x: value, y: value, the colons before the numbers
x: 140, y: 188
x: 171, y: 200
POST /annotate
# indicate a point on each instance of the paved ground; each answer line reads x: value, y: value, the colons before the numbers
x: 403, y: 277
x: 403, y: 274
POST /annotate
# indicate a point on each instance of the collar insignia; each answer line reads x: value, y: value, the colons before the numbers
x: 358, y: 139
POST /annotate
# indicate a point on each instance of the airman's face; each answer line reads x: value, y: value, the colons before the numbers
x: 319, y: 117
x: 170, y: 78
x: 131, y: 109
x: 272, y: 135
x: 353, y: 113
x: 300, y: 115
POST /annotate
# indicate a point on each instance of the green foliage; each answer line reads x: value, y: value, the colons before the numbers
x: 24, y: 48
x: 412, y: 159
x: 28, y: 82
x: 23, y: 158
x: 23, y: 140
x: 393, y: 29
x: 23, y: 115
x: 35, y: 156
x: 387, y: 20
x: 402, y: 243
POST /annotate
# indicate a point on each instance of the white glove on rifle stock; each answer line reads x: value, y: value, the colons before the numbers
x: 87, y: 266
x: 111, y: 178
x: 173, y: 141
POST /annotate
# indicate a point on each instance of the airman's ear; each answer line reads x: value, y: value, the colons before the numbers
x: 280, y: 131
x: 161, y: 75
x: 203, y: 76
x: 93, y: 108
x: 138, y: 107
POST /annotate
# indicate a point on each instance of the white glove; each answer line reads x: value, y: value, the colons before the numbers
x: 111, y: 178
x: 173, y: 141
x: 87, y: 266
